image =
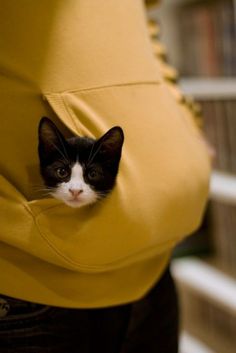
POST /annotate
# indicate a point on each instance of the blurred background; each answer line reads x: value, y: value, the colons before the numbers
x: 200, y: 40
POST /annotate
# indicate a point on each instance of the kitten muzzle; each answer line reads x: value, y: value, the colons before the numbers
x: 75, y: 193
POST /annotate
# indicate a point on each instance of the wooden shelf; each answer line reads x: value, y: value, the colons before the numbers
x: 206, y: 280
x: 190, y: 344
x: 209, y: 88
x: 223, y: 187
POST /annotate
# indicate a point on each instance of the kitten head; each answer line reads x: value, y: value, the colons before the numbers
x: 78, y: 170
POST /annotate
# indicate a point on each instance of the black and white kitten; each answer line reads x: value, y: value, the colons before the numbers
x: 78, y: 170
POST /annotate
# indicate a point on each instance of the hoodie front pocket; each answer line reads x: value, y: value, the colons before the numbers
x: 19, y: 227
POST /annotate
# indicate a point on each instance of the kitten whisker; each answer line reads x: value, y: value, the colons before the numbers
x: 91, y: 151
x: 43, y: 194
x: 41, y: 187
x: 102, y: 194
x: 95, y: 153
x: 66, y: 158
x: 62, y: 143
x: 46, y: 194
x: 43, y: 191
x: 46, y: 190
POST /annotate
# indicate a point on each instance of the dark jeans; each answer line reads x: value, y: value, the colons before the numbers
x: 148, y: 325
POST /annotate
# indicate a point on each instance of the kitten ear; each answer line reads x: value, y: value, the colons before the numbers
x: 110, y: 144
x: 50, y: 138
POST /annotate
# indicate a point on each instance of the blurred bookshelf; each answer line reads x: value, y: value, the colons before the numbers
x: 201, y: 40
x: 203, y: 31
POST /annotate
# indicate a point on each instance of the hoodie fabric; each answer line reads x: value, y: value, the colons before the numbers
x: 89, y: 65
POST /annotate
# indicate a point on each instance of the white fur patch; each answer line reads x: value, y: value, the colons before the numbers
x: 87, y: 194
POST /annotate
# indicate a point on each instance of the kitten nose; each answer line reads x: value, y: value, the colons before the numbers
x: 75, y: 192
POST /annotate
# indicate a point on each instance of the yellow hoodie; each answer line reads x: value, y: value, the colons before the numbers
x: 89, y: 65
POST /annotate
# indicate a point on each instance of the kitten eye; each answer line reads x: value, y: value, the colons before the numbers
x: 62, y: 172
x: 92, y: 174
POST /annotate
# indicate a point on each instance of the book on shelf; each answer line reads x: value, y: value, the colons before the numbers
x: 222, y: 220
x: 220, y: 130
